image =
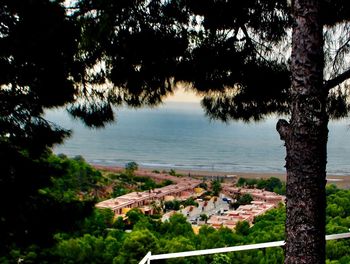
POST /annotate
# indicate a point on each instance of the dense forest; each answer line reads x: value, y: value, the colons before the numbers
x: 94, y: 236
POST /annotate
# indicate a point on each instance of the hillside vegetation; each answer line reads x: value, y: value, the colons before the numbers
x: 99, y: 238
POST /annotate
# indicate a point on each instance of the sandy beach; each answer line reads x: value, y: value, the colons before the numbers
x: 342, y: 181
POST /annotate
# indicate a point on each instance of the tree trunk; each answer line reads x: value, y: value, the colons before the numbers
x: 305, y: 139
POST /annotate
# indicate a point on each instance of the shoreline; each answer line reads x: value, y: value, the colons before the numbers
x: 341, y: 181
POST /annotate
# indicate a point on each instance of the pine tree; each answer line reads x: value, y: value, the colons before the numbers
x: 38, y: 42
x: 305, y: 138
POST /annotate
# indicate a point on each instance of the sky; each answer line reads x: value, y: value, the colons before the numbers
x: 183, y: 95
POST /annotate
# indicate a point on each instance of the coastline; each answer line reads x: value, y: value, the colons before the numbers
x: 341, y: 181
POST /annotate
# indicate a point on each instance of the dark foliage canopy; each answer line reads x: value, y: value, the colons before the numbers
x: 235, y: 54
x: 99, y: 54
x: 37, y: 47
x: 38, y: 43
x: 144, y: 48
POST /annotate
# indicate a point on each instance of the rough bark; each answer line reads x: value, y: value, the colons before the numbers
x: 305, y: 139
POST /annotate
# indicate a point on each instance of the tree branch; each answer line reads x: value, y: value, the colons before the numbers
x: 283, y: 128
x: 337, y: 80
x: 339, y: 51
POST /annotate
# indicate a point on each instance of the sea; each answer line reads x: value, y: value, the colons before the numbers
x: 180, y: 136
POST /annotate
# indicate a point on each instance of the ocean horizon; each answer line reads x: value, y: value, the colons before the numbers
x: 180, y: 136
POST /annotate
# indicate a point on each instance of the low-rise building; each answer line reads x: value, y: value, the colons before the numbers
x: 257, y: 194
x: 243, y: 213
x: 141, y: 199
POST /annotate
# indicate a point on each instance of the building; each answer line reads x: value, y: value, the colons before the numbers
x: 180, y: 190
x: 257, y: 194
x: 243, y: 213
